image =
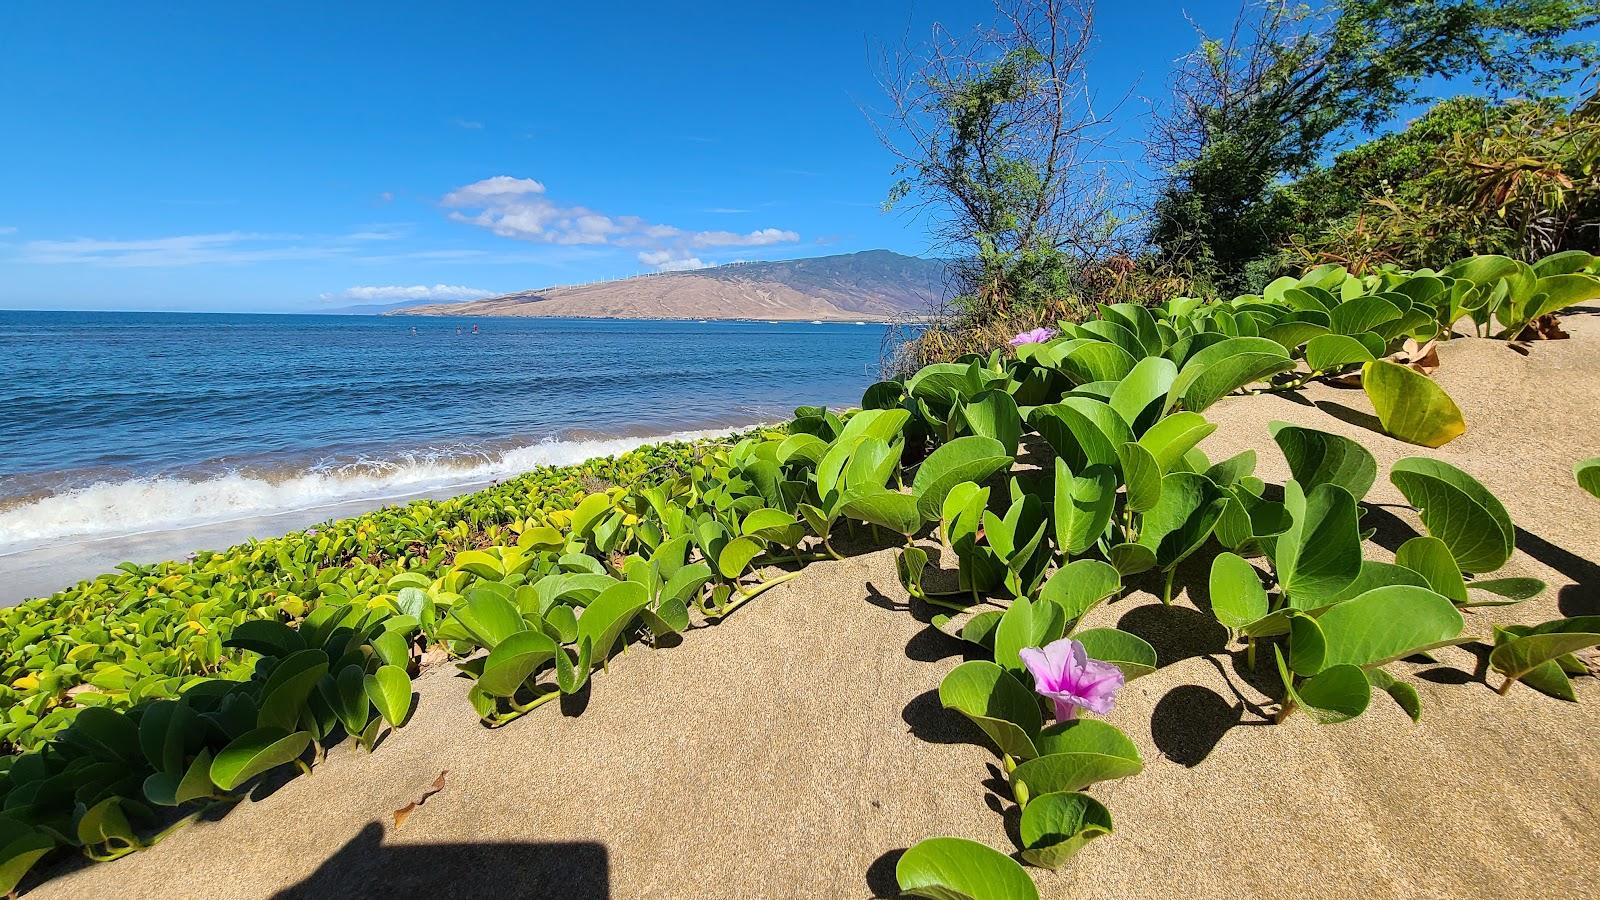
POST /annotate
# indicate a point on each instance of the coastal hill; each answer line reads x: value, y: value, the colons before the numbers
x: 873, y: 285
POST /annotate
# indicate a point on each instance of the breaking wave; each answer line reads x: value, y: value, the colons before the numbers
x: 138, y: 505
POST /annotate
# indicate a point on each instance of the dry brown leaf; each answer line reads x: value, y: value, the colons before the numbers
x: 404, y: 812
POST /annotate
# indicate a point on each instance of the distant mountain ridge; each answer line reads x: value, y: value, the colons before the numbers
x: 873, y: 285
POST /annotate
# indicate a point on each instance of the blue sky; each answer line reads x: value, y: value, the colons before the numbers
x: 300, y: 157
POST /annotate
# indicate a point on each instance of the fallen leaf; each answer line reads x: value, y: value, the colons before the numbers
x: 404, y: 812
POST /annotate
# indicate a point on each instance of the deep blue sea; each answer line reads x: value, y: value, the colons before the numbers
x: 117, y: 423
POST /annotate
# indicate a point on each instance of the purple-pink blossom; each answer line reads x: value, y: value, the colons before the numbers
x: 1063, y: 672
x: 1036, y: 336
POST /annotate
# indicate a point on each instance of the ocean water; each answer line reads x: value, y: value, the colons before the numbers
x: 115, y: 424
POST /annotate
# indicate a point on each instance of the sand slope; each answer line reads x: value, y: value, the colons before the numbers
x: 791, y: 751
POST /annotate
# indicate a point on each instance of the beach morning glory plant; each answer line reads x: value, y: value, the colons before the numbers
x: 1064, y: 673
x: 1036, y: 336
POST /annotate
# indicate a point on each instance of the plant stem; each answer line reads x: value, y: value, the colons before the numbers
x: 1166, y: 593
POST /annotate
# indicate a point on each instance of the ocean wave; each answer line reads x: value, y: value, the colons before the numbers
x: 157, y: 503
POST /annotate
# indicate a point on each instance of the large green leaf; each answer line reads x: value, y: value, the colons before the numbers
x: 1174, y: 436
x: 1183, y: 518
x: 1006, y: 710
x: 1457, y: 510
x: 1516, y: 656
x: 1070, y: 771
x: 949, y: 868
x: 1056, y: 826
x: 604, y: 619
x: 1141, y: 474
x: 1430, y: 558
x: 890, y: 509
x: 490, y: 619
x: 1082, y: 430
x: 1026, y: 624
x: 1335, y: 694
x: 1083, y: 506
x: 512, y: 660
x: 1384, y: 624
x: 21, y: 846
x: 1237, y: 595
x: 970, y: 458
x: 389, y: 689
x: 1147, y: 383
x: 1080, y: 586
x: 1410, y: 405
x: 1128, y: 652
x: 255, y: 752
x: 283, y: 697
x: 1226, y: 366
x: 1320, y: 553
x: 1317, y: 457
x: 993, y: 414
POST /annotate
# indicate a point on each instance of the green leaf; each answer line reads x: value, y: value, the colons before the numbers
x: 1073, y: 771
x: 267, y: 637
x: 1587, y: 473
x: 1083, y: 431
x: 736, y: 556
x: 1131, y: 559
x: 893, y: 510
x: 1386, y: 623
x: 1317, y: 457
x: 1006, y: 710
x: 570, y: 677
x: 993, y: 414
x: 1080, y: 586
x: 948, y: 868
x: 1056, y: 826
x: 1520, y: 655
x: 970, y: 458
x: 1083, y: 506
x: 1142, y: 475
x: 283, y: 697
x: 1026, y: 624
x: 488, y: 618
x: 1336, y: 694
x: 104, y: 823
x: 1174, y: 436
x: 1410, y: 405
x: 255, y: 752
x: 1237, y: 595
x: 1128, y: 652
x: 1514, y: 590
x: 511, y: 662
x: 1403, y: 693
x: 346, y: 695
x: 1362, y: 314
x: 1182, y: 519
x: 389, y: 689
x: 1226, y: 366
x: 1333, y: 352
x: 604, y: 619
x: 1320, y: 553
x: 1147, y: 383
x: 1458, y: 510
x: 1430, y: 558
x: 909, y: 564
x: 21, y: 846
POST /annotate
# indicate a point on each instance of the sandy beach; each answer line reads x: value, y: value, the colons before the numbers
x: 795, y: 749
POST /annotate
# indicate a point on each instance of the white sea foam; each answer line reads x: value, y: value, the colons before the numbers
x: 141, y: 505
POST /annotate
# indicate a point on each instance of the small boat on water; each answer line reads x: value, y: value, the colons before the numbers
x: 816, y: 321
x: 861, y: 323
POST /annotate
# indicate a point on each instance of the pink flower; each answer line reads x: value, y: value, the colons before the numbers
x: 1063, y: 672
x: 1036, y: 336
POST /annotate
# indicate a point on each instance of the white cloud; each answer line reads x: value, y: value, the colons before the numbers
x: 8, y: 229
x: 521, y: 208
x: 670, y: 261
x: 468, y: 124
x: 389, y: 292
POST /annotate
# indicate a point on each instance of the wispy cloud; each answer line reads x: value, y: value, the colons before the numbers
x: 8, y: 229
x: 392, y: 292
x: 520, y: 208
x: 222, y: 248
x: 724, y: 210
x: 468, y: 124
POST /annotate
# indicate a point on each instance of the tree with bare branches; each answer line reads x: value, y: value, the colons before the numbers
x: 996, y: 134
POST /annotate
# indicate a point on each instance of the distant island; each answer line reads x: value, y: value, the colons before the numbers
x: 870, y: 286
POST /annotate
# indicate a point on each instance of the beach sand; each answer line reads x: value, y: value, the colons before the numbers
x: 794, y: 749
